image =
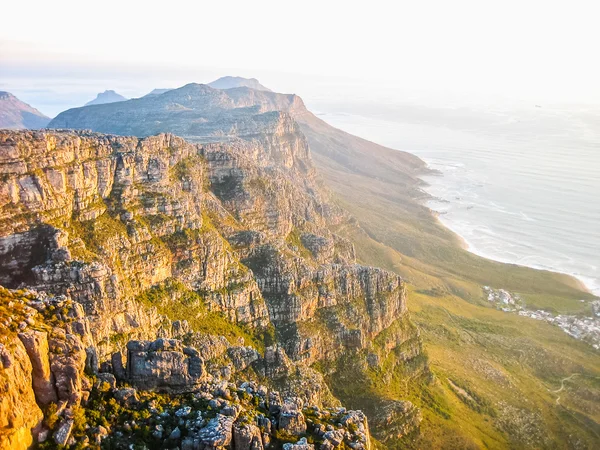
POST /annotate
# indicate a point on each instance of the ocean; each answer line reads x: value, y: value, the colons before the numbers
x: 519, y: 185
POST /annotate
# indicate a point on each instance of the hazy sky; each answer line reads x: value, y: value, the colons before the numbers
x: 526, y: 48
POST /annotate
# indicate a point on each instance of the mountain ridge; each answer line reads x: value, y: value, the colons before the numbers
x: 15, y: 114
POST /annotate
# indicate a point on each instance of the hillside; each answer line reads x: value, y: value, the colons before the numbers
x: 15, y: 114
x: 498, y: 375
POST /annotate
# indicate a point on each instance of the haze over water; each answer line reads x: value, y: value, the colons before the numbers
x: 519, y: 185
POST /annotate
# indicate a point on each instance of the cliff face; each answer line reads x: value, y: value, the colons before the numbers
x: 159, y: 237
x: 104, y: 218
x: 20, y: 416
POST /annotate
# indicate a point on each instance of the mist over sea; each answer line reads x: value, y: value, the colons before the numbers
x: 518, y: 184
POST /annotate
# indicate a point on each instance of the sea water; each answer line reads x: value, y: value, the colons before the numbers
x: 518, y: 185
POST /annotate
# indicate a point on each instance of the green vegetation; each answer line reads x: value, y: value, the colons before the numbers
x: 295, y: 242
x: 172, y: 299
x: 258, y: 183
x: 96, y: 233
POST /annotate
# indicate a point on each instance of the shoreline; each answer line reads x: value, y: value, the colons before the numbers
x: 430, y: 180
x: 465, y: 245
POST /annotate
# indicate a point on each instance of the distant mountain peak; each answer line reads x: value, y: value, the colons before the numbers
x: 108, y: 96
x: 230, y: 82
x: 15, y: 114
x: 157, y: 91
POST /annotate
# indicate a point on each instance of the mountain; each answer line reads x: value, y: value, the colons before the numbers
x: 106, y: 97
x: 201, y: 113
x: 235, y: 82
x: 15, y: 114
x: 156, y: 92
x: 305, y: 248
x: 204, y: 265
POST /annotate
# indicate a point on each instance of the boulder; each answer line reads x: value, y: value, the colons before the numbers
x: 291, y: 420
x: 302, y: 444
x: 247, y: 437
x: 126, y: 397
x: 164, y: 365
x: 63, y: 432
x: 36, y: 345
x: 217, y: 433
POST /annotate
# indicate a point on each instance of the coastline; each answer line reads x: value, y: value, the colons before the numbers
x: 466, y: 245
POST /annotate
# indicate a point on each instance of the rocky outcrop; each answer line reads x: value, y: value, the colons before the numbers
x: 47, y: 347
x: 36, y: 345
x: 291, y: 420
x: 226, y: 415
x: 20, y: 416
x: 164, y: 365
x: 247, y: 436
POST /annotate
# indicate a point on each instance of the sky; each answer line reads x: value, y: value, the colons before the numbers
x: 527, y: 49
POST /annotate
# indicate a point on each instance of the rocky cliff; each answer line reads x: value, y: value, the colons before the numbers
x: 53, y: 391
x: 104, y: 218
x: 45, y: 350
x: 227, y: 246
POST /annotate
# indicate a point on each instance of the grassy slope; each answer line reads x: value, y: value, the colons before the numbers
x: 494, y: 371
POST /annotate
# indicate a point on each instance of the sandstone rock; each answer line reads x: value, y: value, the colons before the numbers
x: 302, y: 444
x: 247, y: 437
x: 242, y: 357
x: 175, y: 434
x: 117, y: 366
x: 275, y: 363
x: 19, y: 412
x: 291, y: 419
x: 63, y: 432
x: 106, y: 381
x: 36, y: 344
x: 127, y: 397
x: 67, y: 362
x: 217, y: 433
x: 183, y: 412
x: 163, y: 365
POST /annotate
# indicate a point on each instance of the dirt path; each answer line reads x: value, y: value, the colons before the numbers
x: 562, y: 386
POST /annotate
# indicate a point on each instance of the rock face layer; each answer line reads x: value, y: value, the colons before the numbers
x: 104, y: 218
